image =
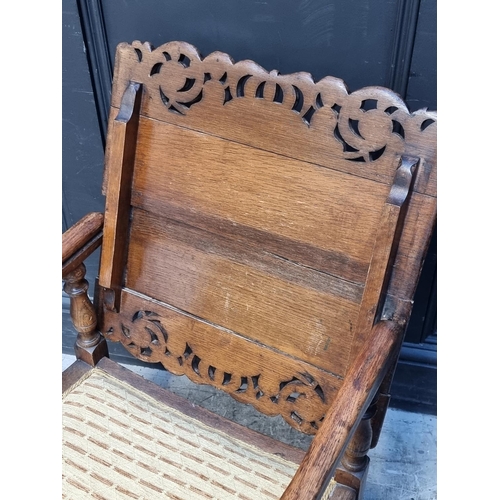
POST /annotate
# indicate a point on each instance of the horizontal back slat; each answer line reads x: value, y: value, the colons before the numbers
x: 294, y: 203
x: 294, y: 309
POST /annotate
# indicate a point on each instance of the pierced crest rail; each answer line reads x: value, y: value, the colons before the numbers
x: 179, y: 80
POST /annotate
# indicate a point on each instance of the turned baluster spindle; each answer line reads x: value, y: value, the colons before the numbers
x: 355, y: 457
x: 81, y: 309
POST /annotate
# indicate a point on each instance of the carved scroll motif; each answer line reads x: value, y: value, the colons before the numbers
x: 299, y: 399
x: 178, y: 78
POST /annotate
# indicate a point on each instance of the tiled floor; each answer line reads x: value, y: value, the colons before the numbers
x: 402, y: 467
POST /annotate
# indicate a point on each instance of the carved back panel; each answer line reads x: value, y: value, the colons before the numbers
x: 246, y: 239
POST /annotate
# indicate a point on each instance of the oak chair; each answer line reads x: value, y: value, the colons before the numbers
x: 262, y: 234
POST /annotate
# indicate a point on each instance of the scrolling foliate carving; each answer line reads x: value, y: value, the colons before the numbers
x: 365, y: 123
x: 300, y: 399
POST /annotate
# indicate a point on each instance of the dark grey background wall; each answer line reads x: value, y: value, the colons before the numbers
x: 368, y: 42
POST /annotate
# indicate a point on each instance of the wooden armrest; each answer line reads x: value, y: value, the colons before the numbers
x: 360, y: 385
x: 80, y: 240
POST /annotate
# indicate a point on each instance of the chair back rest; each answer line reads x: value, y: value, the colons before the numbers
x: 257, y: 225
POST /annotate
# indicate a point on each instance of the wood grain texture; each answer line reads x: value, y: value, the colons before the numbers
x: 254, y: 215
x: 259, y: 193
x: 292, y: 308
x: 74, y: 373
x: 257, y: 226
x: 274, y: 383
x: 384, y: 251
x: 90, y: 346
x: 121, y: 145
x: 355, y: 459
x: 80, y: 233
x: 79, y: 257
x: 414, y: 240
x: 340, y: 422
x: 82, y: 311
x: 287, y: 114
x: 78, y: 243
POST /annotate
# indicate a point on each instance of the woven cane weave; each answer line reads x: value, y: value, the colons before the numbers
x: 118, y: 443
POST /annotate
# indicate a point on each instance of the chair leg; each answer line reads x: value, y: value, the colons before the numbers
x: 90, y: 345
x: 378, y: 420
x: 383, y: 401
x: 355, y: 462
